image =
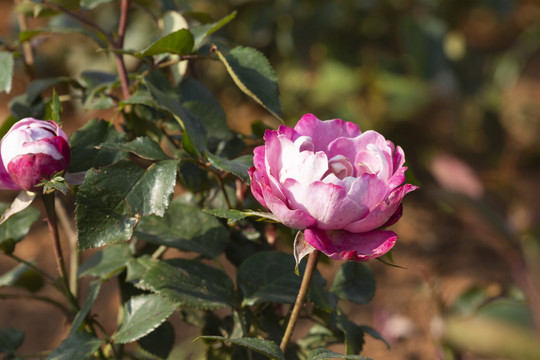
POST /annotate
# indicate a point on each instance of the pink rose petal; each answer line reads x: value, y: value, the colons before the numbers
x: 344, y: 245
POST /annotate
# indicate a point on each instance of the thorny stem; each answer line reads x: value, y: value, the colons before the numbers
x: 48, y: 201
x: 306, y: 281
x: 119, y: 44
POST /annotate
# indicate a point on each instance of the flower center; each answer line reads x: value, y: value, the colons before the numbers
x: 304, y: 143
x: 341, y: 167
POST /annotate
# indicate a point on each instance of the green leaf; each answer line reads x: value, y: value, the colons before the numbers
x: 238, y: 166
x: 91, y: 297
x: 235, y: 215
x: 200, y: 101
x: 137, y: 267
x: 98, y: 86
x: 6, y: 71
x: 265, y: 347
x: 160, y: 341
x: 201, y: 32
x: 468, y: 301
x: 10, y: 340
x: 56, y: 108
x: 8, y: 122
x: 253, y: 74
x: 190, y: 283
x: 354, y: 282
x: 510, y: 311
x: 143, y: 314
x: 78, y: 345
x: 353, y: 334
x: 29, y: 34
x: 107, y: 262
x: 90, y: 4
x: 57, y: 183
x: 143, y: 147
x: 374, y: 334
x: 13, y: 276
x: 98, y: 101
x: 491, y: 338
x: 21, y: 108
x: 111, y: 201
x: 18, y: 225
x: 98, y: 80
x: 36, y: 87
x: 84, y: 142
x: 194, y: 139
x: 318, y: 336
x: 324, y: 354
x: 143, y: 97
x: 232, y: 216
x: 187, y: 228
x: 269, y: 277
x: 179, y: 42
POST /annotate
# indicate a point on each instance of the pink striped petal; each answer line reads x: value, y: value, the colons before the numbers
x: 5, y: 180
x: 323, y: 133
x: 379, y: 215
x: 30, y: 169
x: 293, y: 218
x: 344, y: 245
x: 326, y: 202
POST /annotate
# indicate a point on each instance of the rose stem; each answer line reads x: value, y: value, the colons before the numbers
x: 48, y: 201
x: 119, y: 44
x: 28, y: 54
x: 114, y: 44
x: 71, y: 232
x: 306, y: 281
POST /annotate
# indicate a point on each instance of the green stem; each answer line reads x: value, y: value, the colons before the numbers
x: 28, y: 53
x: 160, y: 251
x: 306, y: 281
x: 220, y: 183
x: 32, y: 266
x: 38, y: 298
x: 71, y: 233
x: 48, y: 201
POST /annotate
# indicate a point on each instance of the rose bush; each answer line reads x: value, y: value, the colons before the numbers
x: 339, y: 184
x: 31, y: 151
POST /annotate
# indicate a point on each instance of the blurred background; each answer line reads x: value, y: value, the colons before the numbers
x: 455, y: 83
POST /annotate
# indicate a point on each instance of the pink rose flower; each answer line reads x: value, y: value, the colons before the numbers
x: 338, y: 184
x: 32, y: 150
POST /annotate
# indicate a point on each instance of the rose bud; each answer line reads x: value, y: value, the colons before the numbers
x: 32, y: 151
x: 339, y: 185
